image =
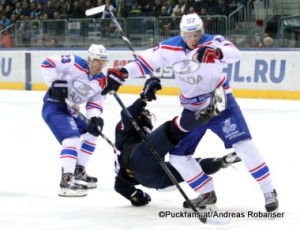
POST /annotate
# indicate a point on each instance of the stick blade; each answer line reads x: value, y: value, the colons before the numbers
x: 95, y: 10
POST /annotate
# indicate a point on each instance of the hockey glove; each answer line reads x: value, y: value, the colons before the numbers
x: 139, y: 198
x: 59, y: 90
x: 150, y: 88
x: 114, y: 80
x: 95, y: 126
x: 217, y: 105
x: 208, y: 54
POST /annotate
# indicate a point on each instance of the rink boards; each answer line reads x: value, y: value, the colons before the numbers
x: 270, y: 73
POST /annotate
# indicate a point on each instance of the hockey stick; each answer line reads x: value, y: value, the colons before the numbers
x: 202, y: 217
x: 95, y: 10
x: 100, y: 9
x: 157, y: 157
x: 87, y: 121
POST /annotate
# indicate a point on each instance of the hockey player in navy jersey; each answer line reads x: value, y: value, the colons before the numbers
x: 197, y: 60
x: 81, y: 81
x: 153, y: 176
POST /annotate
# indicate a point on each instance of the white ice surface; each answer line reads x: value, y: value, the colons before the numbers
x: 30, y: 171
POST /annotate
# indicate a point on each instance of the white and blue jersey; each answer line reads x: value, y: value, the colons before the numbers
x: 196, y: 81
x: 83, y: 88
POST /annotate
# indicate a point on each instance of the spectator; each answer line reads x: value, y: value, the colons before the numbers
x: 123, y: 9
x: 212, y: 7
x: 61, y: 9
x: 53, y: 43
x: 156, y: 8
x: 181, y: 6
x: 163, y: 11
x: 32, y: 11
x: 268, y: 42
x: 18, y: 9
x: 4, y: 20
x: 145, y: 7
x: 39, y: 11
x: 45, y: 16
x: 42, y: 43
x: 25, y: 8
x: 8, y: 10
x: 207, y: 21
x: 5, y: 41
x: 76, y: 11
x: 170, y: 7
x: 49, y: 9
x: 223, y: 8
x: 198, y: 4
x: 2, y: 10
x: 191, y: 10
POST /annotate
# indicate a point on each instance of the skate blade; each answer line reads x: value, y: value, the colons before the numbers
x: 65, y: 192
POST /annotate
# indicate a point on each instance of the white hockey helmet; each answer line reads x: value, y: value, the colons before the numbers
x: 191, y: 23
x: 97, y: 52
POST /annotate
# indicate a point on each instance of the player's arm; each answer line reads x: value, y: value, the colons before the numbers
x: 221, y: 49
x: 230, y: 53
x: 145, y: 63
x: 151, y: 86
x: 54, y: 70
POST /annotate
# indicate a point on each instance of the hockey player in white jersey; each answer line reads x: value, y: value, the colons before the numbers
x: 81, y: 81
x: 197, y: 59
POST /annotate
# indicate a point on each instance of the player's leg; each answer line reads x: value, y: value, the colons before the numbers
x: 232, y: 128
x: 86, y: 150
x: 64, y: 128
x: 143, y: 163
x: 190, y: 169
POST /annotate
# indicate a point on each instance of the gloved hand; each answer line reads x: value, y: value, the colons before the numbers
x: 59, y: 90
x: 139, y: 198
x: 151, y: 86
x: 216, y: 106
x: 203, y: 116
x: 95, y: 126
x: 114, y: 80
x: 208, y: 54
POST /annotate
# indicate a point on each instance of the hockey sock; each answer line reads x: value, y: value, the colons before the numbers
x: 255, y: 164
x: 191, y: 171
x: 68, y: 154
x: 87, y: 148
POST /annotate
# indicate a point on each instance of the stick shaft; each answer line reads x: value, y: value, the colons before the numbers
x: 87, y: 121
x: 156, y: 155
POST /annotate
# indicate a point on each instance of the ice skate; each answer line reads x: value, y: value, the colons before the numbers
x: 271, y: 201
x: 81, y: 176
x: 228, y: 160
x: 206, y: 200
x: 69, y: 189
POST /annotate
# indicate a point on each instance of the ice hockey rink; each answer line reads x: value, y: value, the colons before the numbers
x: 30, y: 171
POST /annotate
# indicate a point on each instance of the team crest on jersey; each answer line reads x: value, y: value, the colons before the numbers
x: 83, y: 91
x: 186, y: 67
x: 186, y: 71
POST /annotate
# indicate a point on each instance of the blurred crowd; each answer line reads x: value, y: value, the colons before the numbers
x: 12, y: 11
